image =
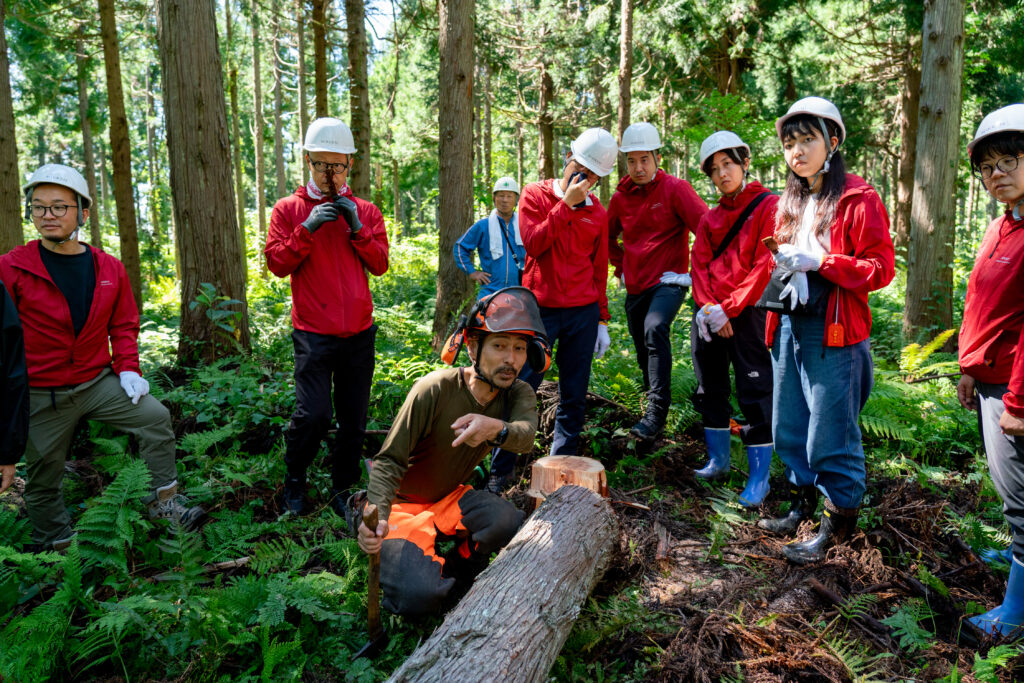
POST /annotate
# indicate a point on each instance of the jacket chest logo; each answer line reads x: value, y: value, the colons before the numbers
x: 586, y: 220
x: 106, y: 283
x: 1005, y: 260
x: 657, y: 205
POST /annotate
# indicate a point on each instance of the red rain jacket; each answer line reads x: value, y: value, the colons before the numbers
x: 737, y: 278
x: 566, y: 249
x: 655, y: 221
x: 54, y: 356
x: 330, y: 287
x: 992, y: 333
x: 862, y: 260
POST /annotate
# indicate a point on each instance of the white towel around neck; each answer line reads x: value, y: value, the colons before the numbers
x: 495, y: 238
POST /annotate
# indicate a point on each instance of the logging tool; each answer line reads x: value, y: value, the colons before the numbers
x: 378, y: 639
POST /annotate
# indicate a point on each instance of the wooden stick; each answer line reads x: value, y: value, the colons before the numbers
x: 373, y: 588
x: 638, y: 506
x: 642, y: 489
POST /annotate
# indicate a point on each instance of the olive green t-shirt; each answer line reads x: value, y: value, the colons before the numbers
x: 417, y: 462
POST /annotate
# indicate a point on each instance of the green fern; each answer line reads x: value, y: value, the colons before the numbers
x: 277, y: 554
x: 860, y: 666
x: 275, y: 652
x: 200, y: 443
x: 906, y: 624
x: 914, y: 356
x: 858, y: 606
x: 985, y: 668
x: 111, y: 521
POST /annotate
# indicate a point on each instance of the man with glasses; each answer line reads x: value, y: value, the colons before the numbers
x: 81, y: 329
x: 327, y: 240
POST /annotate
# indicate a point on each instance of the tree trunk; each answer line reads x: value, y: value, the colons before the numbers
x: 929, y: 297
x: 320, y: 56
x: 300, y: 29
x: 282, y: 181
x: 478, y: 133
x: 95, y: 235
x: 545, y: 162
x: 236, y: 142
x: 359, y: 97
x: 520, y: 154
x: 120, y: 151
x: 513, y: 622
x: 455, y: 178
x: 257, y: 97
x: 11, y: 210
x: 910, y: 98
x: 625, y: 74
x: 154, y: 183
x: 488, y: 141
x: 199, y: 152
x: 396, y: 185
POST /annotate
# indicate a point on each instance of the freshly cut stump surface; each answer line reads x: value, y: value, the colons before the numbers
x: 512, y: 623
x: 550, y: 473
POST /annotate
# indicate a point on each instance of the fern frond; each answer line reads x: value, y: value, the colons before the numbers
x: 199, y: 443
x: 860, y: 666
x: 110, y: 522
x: 857, y: 606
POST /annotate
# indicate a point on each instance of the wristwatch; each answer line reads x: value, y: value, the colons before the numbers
x: 501, y: 437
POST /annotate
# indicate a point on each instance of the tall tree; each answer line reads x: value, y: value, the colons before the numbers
x: 455, y: 179
x: 929, y: 296
x: 10, y: 188
x: 151, y: 154
x: 320, y: 56
x: 282, y: 183
x: 910, y: 98
x: 257, y: 96
x: 359, y: 97
x: 199, y: 151
x: 546, y: 124
x: 300, y: 76
x: 488, y: 133
x: 625, y: 74
x: 82, y: 77
x: 121, y: 151
x: 236, y: 137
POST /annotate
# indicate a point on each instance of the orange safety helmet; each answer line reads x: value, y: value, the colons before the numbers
x: 512, y: 310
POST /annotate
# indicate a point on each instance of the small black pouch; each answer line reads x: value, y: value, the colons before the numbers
x: 818, y: 291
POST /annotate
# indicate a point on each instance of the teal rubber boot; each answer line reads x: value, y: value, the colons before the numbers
x: 759, y: 460
x: 718, y: 448
x: 1009, y: 616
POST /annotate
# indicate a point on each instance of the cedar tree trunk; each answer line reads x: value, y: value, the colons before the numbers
x: 359, y: 97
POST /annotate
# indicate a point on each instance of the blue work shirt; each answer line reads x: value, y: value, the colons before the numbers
x: 503, y: 271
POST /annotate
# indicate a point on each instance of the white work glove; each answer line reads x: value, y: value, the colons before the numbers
x: 603, y: 340
x: 796, y: 260
x: 681, y: 279
x: 716, y: 317
x: 795, y: 290
x: 134, y: 385
x: 701, y: 320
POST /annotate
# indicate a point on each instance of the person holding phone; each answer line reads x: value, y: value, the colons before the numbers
x: 565, y: 232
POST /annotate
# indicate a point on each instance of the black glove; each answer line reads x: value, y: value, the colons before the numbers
x: 347, y: 209
x: 321, y: 213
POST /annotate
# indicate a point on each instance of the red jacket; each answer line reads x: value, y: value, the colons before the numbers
x: 737, y: 278
x: 655, y: 221
x: 330, y: 287
x: 862, y: 260
x: 566, y: 249
x: 991, y: 341
x: 55, y: 357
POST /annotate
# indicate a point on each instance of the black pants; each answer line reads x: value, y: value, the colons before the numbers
x: 752, y: 363
x: 649, y: 317
x: 321, y: 361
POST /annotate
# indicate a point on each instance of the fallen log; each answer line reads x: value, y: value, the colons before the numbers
x: 512, y: 623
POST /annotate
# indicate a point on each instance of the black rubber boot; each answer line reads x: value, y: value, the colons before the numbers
x: 803, y: 502
x: 837, y: 524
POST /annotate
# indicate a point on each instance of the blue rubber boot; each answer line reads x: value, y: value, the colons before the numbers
x: 1008, y: 617
x: 718, y: 448
x: 996, y: 558
x: 759, y: 459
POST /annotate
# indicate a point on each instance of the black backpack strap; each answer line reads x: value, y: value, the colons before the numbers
x: 738, y: 225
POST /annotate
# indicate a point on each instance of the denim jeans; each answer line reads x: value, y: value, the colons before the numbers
x: 819, y: 393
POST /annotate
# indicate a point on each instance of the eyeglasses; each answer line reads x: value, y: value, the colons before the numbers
x: 58, y: 210
x: 321, y: 166
x: 1005, y: 164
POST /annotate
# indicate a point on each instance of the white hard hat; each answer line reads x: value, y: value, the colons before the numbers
x: 329, y: 135
x: 59, y: 174
x: 1008, y: 119
x: 595, y: 148
x: 640, y: 137
x: 719, y: 141
x: 506, y: 184
x: 813, y: 106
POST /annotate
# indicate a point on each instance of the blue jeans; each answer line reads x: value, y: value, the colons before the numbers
x: 573, y: 332
x: 819, y: 393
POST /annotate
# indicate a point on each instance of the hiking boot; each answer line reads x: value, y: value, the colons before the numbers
x: 497, y: 483
x: 62, y: 544
x: 837, y: 525
x: 292, y: 498
x: 647, y: 429
x: 717, y: 441
x: 169, y: 504
x: 803, y: 501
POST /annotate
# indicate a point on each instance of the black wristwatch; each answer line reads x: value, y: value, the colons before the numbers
x: 501, y: 437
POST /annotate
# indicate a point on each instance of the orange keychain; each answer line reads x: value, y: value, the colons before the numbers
x: 835, y: 335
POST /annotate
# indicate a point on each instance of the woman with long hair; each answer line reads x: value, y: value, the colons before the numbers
x: 835, y: 247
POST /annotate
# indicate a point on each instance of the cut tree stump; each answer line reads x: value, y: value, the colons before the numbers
x: 512, y: 623
x: 555, y: 471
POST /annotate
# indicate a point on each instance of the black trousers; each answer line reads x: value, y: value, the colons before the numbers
x: 322, y: 362
x: 752, y: 364
x: 649, y: 317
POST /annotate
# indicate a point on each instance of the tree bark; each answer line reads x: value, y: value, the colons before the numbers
x: 513, y: 622
x: 320, y: 56
x: 236, y: 141
x: 455, y: 178
x: 359, y: 97
x: 929, y: 297
x: 300, y: 30
x: 199, y: 152
x: 488, y: 140
x: 153, y: 201
x: 478, y: 132
x: 82, y: 73
x: 520, y: 154
x: 11, y: 211
x: 910, y: 98
x: 625, y: 74
x: 282, y: 182
x: 257, y: 96
x: 546, y: 162
x: 120, y: 151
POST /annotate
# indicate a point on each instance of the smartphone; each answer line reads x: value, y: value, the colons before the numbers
x: 575, y: 178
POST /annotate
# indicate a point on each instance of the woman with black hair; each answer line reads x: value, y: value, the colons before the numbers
x: 992, y: 340
x: 833, y: 233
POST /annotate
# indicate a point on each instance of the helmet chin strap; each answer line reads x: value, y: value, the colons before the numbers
x: 57, y: 242
x: 1016, y: 210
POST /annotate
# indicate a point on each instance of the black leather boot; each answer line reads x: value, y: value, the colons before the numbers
x: 837, y: 524
x: 803, y: 502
